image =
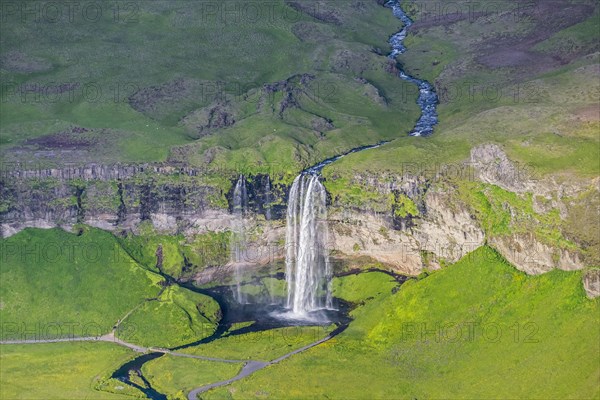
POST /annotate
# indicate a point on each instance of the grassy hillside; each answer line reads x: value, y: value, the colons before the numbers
x: 264, y: 345
x: 60, y: 371
x: 200, y: 83
x: 477, y: 329
x: 177, y: 317
x: 182, y: 85
x: 176, y: 251
x: 59, y: 284
x: 505, y: 73
x: 51, y: 278
x: 176, y: 376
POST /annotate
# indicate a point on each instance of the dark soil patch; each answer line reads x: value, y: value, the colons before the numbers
x: 515, y: 52
x: 173, y: 99
x: 308, y: 32
x: 204, y: 121
x: 21, y: 63
x: 73, y: 139
x: 147, y: 100
x: 549, y: 17
x: 588, y: 114
x: 292, y: 88
x: 318, y: 10
x: 48, y: 89
x: 512, y: 57
x: 444, y: 20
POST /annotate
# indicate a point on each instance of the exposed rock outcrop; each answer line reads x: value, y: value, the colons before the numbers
x: 572, y: 198
x: 591, y: 283
x: 355, y: 233
x: 448, y: 230
x: 441, y: 228
x: 492, y: 165
x: 529, y: 255
x: 111, y: 197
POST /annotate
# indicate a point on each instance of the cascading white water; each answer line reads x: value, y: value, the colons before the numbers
x: 308, y: 271
x: 238, y: 236
x: 268, y: 198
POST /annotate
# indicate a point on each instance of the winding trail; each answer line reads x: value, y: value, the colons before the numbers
x: 109, y: 337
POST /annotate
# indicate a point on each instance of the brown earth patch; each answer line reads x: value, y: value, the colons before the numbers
x: 444, y: 20
x: 320, y: 11
x: 74, y: 139
x: 588, y: 114
x: 515, y: 52
x: 549, y: 17
x: 19, y: 62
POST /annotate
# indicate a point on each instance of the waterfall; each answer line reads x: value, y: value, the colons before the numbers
x: 308, y: 271
x: 238, y: 236
x: 268, y: 198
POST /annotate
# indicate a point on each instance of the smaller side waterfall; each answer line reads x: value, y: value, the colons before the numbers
x: 308, y: 271
x: 238, y: 236
x: 268, y: 198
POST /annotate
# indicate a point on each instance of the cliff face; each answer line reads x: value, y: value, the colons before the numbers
x: 533, y: 257
x: 574, y: 203
x: 438, y: 234
x: 409, y: 223
x: 538, y: 224
x: 113, y: 198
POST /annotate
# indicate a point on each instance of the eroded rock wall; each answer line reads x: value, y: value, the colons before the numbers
x: 407, y: 222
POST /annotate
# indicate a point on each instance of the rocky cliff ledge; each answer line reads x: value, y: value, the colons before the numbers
x: 407, y: 222
x: 117, y: 198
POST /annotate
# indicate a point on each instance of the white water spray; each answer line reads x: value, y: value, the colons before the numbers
x: 308, y: 271
x: 238, y: 236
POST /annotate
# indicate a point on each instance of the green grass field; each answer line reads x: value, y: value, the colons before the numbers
x: 60, y: 371
x: 176, y: 376
x: 177, y: 317
x: 544, y: 114
x: 215, y: 86
x: 57, y: 284
x: 263, y: 346
x: 477, y: 329
x: 146, y: 101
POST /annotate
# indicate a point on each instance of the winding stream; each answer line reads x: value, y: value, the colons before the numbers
x: 428, y: 99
